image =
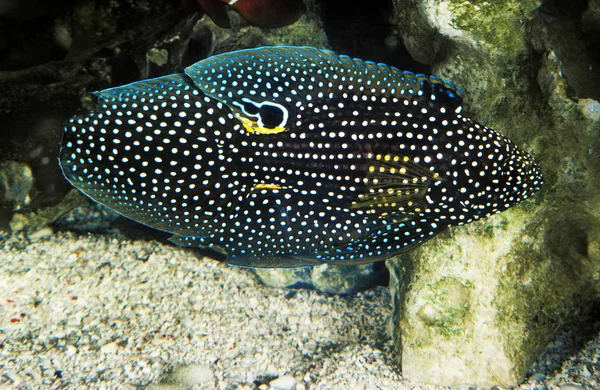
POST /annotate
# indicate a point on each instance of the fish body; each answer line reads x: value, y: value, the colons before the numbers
x: 294, y: 156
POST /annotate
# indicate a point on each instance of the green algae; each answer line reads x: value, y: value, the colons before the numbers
x: 534, y: 299
x: 499, y: 24
x: 450, y: 307
x: 534, y: 268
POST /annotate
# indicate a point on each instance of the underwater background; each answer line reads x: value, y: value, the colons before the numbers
x: 90, y: 299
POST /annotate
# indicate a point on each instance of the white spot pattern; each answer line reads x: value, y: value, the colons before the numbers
x: 370, y: 162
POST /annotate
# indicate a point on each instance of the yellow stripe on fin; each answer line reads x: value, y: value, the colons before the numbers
x: 395, y: 183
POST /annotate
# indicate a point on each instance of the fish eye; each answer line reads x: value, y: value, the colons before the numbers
x: 272, y: 116
x: 268, y: 114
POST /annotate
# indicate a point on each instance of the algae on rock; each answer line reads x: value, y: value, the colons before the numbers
x: 447, y: 315
x: 479, y: 304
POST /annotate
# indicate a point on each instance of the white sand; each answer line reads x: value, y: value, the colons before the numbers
x: 94, y: 312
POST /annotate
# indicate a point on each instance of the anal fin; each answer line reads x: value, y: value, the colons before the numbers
x: 387, y: 240
x: 207, y: 249
x: 273, y: 261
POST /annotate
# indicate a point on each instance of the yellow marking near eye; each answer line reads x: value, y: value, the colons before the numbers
x: 254, y: 128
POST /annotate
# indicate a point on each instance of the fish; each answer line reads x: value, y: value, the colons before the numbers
x: 260, y: 13
x: 294, y: 156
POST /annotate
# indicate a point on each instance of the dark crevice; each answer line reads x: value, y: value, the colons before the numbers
x: 27, y: 35
x: 367, y: 33
x: 570, y: 341
x: 572, y: 30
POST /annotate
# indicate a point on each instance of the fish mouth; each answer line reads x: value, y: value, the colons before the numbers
x: 533, y: 177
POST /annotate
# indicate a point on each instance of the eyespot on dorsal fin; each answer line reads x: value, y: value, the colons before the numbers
x: 284, y: 88
x: 440, y: 92
x: 395, y: 184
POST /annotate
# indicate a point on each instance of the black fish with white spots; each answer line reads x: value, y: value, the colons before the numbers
x: 294, y: 156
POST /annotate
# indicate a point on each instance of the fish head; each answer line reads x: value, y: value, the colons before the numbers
x: 521, y: 176
x: 495, y: 176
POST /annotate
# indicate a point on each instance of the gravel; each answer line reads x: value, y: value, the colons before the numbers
x: 101, y: 312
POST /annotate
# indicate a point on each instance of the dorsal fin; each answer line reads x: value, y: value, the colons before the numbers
x: 272, y: 89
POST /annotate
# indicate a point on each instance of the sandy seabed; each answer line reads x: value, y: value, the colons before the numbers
x: 99, y: 312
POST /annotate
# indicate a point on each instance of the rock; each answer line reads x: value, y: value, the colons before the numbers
x: 590, y: 109
x: 331, y: 279
x: 158, y: 56
x: 285, y: 278
x: 109, y: 348
x: 16, y: 181
x: 538, y: 377
x: 194, y: 374
x: 345, y: 279
x: 41, y: 234
x: 570, y: 30
x: 31, y: 222
x: 449, y: 305
x: 480, y: 303
x: 285, y: 382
